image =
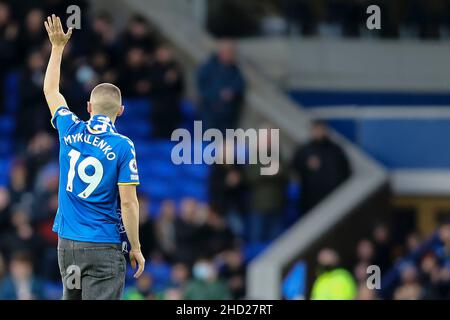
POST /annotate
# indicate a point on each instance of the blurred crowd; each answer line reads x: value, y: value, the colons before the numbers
x: 135, y: 59
x: 422, y: 270
x: 189, y: 246
x: 194, y: 249
x: 427, y: 19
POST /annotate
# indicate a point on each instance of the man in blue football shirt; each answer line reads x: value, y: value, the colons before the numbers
x: 97, y: 165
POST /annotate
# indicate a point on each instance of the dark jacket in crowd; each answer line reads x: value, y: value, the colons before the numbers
x: 147, y: 238
x: 187, y: 241
x: 224, y: 195
x: 213, y: 77
x: 322, y: 166
x: 216, y: 239
x: 166, y: 92
x: 32, y: 102
x: 268, y: 192
x: 129, y: 80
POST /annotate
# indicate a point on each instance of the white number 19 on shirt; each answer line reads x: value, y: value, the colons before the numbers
x: 92, y: 180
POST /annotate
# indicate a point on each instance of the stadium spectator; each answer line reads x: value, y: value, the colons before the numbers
x: 410, y: 288
x: 9, y: 31
x: 360, y: 272
x: 216, y: 235
x: 179, y: 276
x: 103, y: 36
x: 364, y: 293
x: 300, y: 15
x: 101, y: 63
x: 187, y: 232
x: 233, y: 271
x: 221, y: 88
x: 165, y: 229
x: 33, y: 35
x: 337, y: 18
x: 2, y: 268
x: 146, y: 228
x: 206, y: 284
x: 227, y: 191
x: 142, y: 289
x: 430, y: 17
x: 321, y: 165
x: 383, y: 245
x: 235, y: 18
x: 429, y: 275
x: 5, y: 204
x: 40, y: 151
x: 22, y: 284
x: 444, y: 250
x: 364, y: 257
x: 30, y: 114
x: 87, y: 76
x: 267, y: 197
x: 138, y: 34
x: 18, y: 180
x: 413, y: 241
x: 21, y: 236
x: 43, y: 208
x: 365, y: 251
x: 160, y: 269
x: 166, y: 92
x: 134, y: 78
x: 333, y: 282
x: 443, y: 255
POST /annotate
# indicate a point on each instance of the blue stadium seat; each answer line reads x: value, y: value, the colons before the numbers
x: 137, y: 108
x: 52, y: 290
x: 134, y: 130
x: 198, y: 172
x: 6, y: 146
x: 190, y: 114
x: 4, y: 179
x: 5, y: 164
x: 7, y: 126
x: 158, y: 169
x: 12, y: 92
x: 159, y: 189
x: 155, y: 206
x: 192, y: 189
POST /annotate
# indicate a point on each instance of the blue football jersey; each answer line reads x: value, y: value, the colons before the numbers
x: 94, y: 159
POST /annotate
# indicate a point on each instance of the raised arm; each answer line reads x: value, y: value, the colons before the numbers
x: 58, y: 40
x: 130, y: 216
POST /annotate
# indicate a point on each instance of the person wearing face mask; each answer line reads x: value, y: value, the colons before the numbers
x: 333, y: 282
x: 206, y: 284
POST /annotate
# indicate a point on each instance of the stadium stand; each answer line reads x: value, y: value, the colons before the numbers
x: 182, y: 231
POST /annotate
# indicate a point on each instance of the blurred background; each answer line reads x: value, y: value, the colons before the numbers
x: 364, y: 123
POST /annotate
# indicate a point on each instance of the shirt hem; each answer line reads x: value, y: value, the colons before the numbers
x: 83, y: 239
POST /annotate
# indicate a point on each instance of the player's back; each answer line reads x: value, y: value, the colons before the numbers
x: 94, y: 160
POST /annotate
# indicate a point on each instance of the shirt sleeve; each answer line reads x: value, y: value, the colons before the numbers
x: 63, y: 119
x: 128, y: 170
